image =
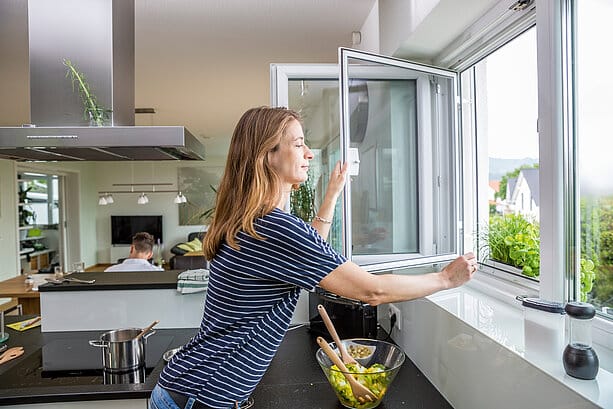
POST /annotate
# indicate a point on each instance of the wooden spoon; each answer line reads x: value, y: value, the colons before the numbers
x: 11, y: 353
x: 146, y: 329
x: 361, y: 392
x: 347, y: 358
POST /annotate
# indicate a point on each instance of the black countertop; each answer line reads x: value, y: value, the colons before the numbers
x: 294, y: 378
x: 128, y: 280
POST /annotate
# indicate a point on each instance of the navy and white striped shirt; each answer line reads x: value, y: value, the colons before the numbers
x: 250, y: 300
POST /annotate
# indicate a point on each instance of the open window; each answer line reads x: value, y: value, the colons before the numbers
x: 402, y: 208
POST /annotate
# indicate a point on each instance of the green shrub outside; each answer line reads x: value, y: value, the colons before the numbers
x: 514, y: 240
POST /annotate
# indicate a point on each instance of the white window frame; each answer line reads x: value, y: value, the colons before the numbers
x: 556, y: 145
x: 281, y: 74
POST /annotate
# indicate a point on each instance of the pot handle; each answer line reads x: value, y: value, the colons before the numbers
x: 148, y: 334
x: 98, y: 343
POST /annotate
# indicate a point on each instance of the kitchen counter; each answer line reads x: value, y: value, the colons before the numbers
x: 119, y: 300
x: 128, y: 280
x: 294, y: 378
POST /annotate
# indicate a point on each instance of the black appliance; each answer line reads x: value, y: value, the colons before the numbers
x: 72, y: 361
x: 351, y: 318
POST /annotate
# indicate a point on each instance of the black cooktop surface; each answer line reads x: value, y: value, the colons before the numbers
x: 64, y: 361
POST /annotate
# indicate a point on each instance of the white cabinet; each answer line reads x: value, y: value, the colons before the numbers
x: 31, y: 258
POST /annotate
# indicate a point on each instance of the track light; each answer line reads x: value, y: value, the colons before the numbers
x: 106, y: 197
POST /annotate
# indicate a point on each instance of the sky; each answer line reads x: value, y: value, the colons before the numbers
x: 594, y: 96
x: 512, y: 92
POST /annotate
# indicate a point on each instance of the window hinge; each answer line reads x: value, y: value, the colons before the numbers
x: 438, y: 88
x: 521, y: 5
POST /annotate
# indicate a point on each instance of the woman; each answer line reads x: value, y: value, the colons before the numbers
x: 261, y: 257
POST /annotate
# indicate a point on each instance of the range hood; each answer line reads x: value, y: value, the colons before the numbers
x: 98, y: 37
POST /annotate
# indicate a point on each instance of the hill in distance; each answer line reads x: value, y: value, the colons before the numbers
x: 499, y: 166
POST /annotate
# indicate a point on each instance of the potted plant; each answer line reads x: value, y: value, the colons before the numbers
x: 26, y: 214
x: 95, y: 113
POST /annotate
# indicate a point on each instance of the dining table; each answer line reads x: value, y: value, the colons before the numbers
x: 24, y: 291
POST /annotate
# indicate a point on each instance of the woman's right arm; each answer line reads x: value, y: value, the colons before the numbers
x: 351, y: 281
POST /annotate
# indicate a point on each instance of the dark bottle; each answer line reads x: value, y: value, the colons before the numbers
x: 580, y: 359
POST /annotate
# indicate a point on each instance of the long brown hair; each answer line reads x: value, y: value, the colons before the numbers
x: 250, y: 187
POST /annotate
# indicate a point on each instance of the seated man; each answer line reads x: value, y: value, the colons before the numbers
x: 141, y: 251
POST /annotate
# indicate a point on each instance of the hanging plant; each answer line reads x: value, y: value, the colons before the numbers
x: 95, y: 113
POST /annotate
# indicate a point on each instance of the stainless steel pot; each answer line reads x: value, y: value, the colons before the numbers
x: 121, y: 350
x: 120, y: 378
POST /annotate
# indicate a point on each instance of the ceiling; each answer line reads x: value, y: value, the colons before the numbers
x: 203, y: 63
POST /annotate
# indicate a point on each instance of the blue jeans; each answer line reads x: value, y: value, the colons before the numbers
x: 160, y: 399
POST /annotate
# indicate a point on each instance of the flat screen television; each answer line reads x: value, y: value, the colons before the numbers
x: 124, y: 227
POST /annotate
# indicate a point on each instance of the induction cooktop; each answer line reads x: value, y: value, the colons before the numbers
x: 74, y: 362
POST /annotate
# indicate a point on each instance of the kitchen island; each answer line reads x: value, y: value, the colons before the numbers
x: 119, y: 300
x: 294, y: 378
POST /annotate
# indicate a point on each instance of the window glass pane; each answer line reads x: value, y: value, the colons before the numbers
x: 401, y: 122
x: 594, y: 88
x: 40, y: 195
x: 317, y: 103
x: 504, y: 92
x: 386, y: 141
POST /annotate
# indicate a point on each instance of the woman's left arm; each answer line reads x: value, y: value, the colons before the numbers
x: 323, y: 218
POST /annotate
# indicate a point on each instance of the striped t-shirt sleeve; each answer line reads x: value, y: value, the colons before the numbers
x: 294, y: 252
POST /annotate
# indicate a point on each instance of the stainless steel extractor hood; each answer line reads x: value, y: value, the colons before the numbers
x: 98, y: 37
x: 100, y: 143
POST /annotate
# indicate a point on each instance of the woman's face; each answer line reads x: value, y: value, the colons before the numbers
x: 291, y: 159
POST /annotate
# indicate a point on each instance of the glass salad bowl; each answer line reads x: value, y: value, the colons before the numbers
x: 379, y: 362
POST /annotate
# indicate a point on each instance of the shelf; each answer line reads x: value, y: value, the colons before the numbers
x: 26, y: 227
x: 36, y: 253
x: 33, y: 238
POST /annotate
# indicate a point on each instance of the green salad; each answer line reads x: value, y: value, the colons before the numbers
x: 374, y: 378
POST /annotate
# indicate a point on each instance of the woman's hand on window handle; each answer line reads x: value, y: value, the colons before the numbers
x: 460, y: 270
x: 337, y: 181
x: 323, y: 217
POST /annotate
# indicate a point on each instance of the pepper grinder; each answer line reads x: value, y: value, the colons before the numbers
x: 580, y: 359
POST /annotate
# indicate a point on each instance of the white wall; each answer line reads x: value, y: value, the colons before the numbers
x: 370, y: 31
x: 92, y: 241
x: 81, y: 202
x: 9, y: 239
x: 94, y: 229
x: 398, y: 19
x: 109, y: 173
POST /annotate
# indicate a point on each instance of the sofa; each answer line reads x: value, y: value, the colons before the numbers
x: 187, y: 255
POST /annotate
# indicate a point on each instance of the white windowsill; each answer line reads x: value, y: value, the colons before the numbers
x: 489, y: 306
